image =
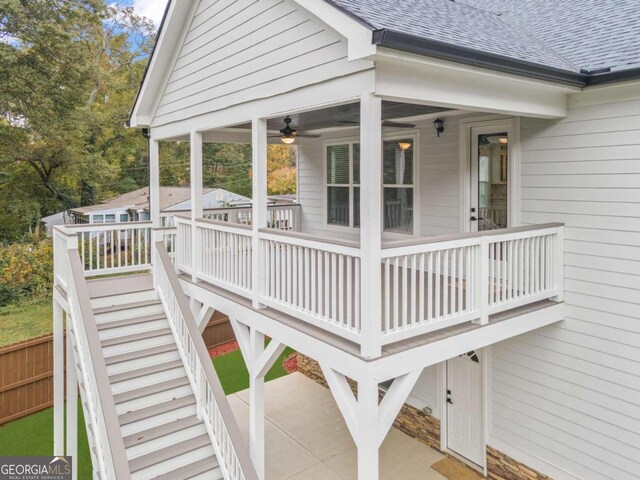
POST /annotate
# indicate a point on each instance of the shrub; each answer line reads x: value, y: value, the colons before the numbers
x: 26, y: 270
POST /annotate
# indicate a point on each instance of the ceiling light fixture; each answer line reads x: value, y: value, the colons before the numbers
x: 288, y: 133
x: 404, y: 145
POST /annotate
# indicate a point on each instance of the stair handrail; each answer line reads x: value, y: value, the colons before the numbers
x: 212, y: 403
x: 105, y: 429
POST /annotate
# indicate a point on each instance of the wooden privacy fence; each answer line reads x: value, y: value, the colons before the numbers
x: 26, y: 378
x: 26, y: 370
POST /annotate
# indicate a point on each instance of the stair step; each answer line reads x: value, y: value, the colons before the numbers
x: 140, y: 372
x: 205, y: 465
x: 160, y: 431
x: 169, y: 452
x: 157, y: 409
x: 175, y: 463
x: 126, y: 306
x: 124, y: 357
x: 130, y: 321
x: 150, y: 390
x: 110, y: 286
x: 170, y: 416
x: 153, y: 399
x: 143, y: 362
x: 164, y: 441
x: 123, y: 298
x: 138, y: 345
x: 148, y: 380
x: 136, y: 328
x: 124, y: 312
x: 108, y: 342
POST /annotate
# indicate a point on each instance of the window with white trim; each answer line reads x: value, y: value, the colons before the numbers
x: 343, y: 184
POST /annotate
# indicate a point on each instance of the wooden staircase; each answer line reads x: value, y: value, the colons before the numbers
x: 155, y: 404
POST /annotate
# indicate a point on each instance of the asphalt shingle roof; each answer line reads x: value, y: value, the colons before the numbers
x: 571, y: 35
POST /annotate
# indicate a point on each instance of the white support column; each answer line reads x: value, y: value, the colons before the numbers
x: 154, y: 200
x: 367, y: 442
x: 58, y: 379
x: 371, y: 223
x: 72, y: 404
x: 195, y: 148
x: 256, y: 405
x: 259, y: 202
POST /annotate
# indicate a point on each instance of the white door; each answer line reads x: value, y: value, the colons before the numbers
x: 465, y: 433
x: 490, y: 177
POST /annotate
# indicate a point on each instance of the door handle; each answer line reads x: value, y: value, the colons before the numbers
x: 474, y: 219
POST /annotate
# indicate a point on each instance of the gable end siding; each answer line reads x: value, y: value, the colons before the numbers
x: 238, y: 51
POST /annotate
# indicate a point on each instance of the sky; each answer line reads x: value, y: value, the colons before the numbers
x: 152, y: 9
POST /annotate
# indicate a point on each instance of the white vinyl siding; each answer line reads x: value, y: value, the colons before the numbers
x: 236, y: 51
x: 437, y: 189
x: 567, y: 397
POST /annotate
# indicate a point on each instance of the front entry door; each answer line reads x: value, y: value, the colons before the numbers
x: 465, y: 420
x: 490, y: 177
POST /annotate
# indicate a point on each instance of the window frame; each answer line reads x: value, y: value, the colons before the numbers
x: 414, y: 135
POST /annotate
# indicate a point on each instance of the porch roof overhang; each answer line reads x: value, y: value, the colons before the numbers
x: 366, y: 42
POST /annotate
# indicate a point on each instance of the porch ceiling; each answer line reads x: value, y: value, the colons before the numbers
x: 347, y: 115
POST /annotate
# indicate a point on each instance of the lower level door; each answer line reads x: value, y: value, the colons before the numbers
x: 465, y: 435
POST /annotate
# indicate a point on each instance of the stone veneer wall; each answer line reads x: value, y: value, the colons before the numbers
x: 426, y: 429
x: 503, y: 467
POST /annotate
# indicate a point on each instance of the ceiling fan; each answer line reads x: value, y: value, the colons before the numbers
x: 289, y: 134
x: 385, y: 123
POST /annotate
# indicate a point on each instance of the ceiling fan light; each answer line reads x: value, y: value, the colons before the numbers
x: 287, y: 140
x: 404, y: 145
x: 503, y: 140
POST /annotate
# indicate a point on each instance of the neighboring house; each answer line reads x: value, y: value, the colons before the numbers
x: 468, y: 181
x: 60, y: 218
x: 134, y: 206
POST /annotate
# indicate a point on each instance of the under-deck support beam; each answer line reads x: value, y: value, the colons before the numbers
x: 368, y: 419
x: 259, y: 359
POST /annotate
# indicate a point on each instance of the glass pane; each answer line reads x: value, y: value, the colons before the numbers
x: 493, y: 177
x: 338, y: 206
x: 98, y: 219
x: 356, y: 164
x: 398, y: 209
x: 110, y: 218
x: 338, y: 164
x: 356, y: 207
x: 124, y: 217
x: 398, y: 162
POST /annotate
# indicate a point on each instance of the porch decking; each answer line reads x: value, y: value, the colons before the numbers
x: 307, y: 439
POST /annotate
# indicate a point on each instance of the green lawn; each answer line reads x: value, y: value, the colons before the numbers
x: 25, y: 320
x: 33, y: 435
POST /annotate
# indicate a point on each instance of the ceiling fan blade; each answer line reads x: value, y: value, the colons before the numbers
x: 307, y: 135
x: 389, y: 123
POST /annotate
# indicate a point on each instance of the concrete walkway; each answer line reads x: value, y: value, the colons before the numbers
x: 307, y: 438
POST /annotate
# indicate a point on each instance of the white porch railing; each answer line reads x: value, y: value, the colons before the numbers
x: 212, y: 404
x: 427, y: 284
x: 113, y: 247
x: 313, y: 280
x: 438, y: 283
x: 281, y: 216
x: 105, y: 436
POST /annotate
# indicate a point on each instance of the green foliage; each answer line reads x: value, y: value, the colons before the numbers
x: 69, y: 71
x: 26, y: 270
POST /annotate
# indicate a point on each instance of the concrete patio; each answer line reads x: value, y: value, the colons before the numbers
x: 307, y: 439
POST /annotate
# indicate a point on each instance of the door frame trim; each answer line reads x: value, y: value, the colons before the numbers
x: 486, y: 409
x: 515, y: 155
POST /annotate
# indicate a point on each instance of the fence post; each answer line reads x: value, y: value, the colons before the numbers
x: 58, y: 379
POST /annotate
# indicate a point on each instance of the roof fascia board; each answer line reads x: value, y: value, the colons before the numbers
x: 475, y: 58
x: 171, y: 27
x: 391, y: 55
x: 356, y: 31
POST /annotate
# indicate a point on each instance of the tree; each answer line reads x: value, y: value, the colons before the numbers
x: 69, y: 70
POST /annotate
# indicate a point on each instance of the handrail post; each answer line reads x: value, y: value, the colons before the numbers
x: 559, y: 266
x: 259, y: 203
x: 483, y: 282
